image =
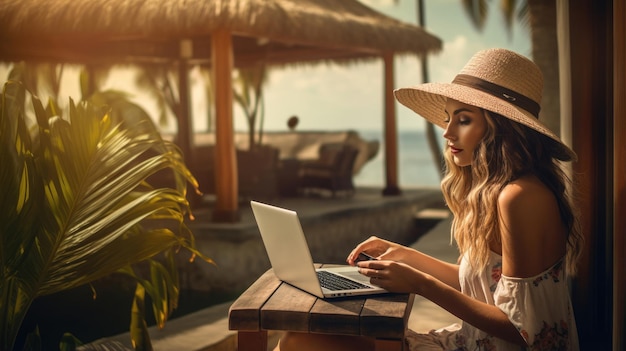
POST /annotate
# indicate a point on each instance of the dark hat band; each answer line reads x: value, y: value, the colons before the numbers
x: 500, y: 92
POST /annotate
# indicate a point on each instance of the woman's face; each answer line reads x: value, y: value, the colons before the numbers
x: 466, y: 126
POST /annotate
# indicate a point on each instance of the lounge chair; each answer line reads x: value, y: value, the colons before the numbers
x: 332, y: 171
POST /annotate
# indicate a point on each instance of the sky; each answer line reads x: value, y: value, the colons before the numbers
x: 333, y: 97
x: 351, y: 97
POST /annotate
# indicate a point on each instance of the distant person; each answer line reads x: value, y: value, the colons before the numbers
x: 292, y: 122
x: 513, y: 219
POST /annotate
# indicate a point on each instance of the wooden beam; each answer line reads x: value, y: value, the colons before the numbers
x: 391, y: 135
x: 226, y: 186
x: 619, y: 175
x: 246, y: 51
x: 592, y: 106
x: 299, y: 56
x: 185, y: 125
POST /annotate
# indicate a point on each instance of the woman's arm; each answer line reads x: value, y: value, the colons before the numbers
x: 483, y: 316
x: 384, y: 250
x: 533, y: 239
x: 446, y: 272
x: 400, y: 277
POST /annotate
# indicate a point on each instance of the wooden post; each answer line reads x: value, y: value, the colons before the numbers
x: 185, y: 126
x: 391, y: 136
x: 619, y: 175
x: 226, y: 185
x: 592, y: 139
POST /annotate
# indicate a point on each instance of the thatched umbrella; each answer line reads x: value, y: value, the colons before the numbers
x: 272, y: 31
x: 222, y: 33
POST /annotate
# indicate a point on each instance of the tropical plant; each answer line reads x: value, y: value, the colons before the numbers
x: 205, y: 73
x: 248, y: 93
x: 431, y: 135
x: 159, y: 80
x: 477, y: 11
x: 75, y: 207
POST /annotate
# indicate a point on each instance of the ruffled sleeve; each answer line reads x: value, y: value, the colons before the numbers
x: 540, y: 308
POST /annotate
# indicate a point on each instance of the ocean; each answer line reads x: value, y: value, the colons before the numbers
x: 416, y: 167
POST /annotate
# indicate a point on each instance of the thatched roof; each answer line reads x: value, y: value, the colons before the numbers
x: 272, y: 31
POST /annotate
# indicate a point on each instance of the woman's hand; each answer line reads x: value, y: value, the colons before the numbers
x: 379, y: 249
x: 403, y: 269
x: 394, y: 276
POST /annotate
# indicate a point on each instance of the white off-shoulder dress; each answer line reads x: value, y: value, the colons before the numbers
x: 539, y: 307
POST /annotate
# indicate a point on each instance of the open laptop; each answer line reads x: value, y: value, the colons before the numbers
x: 291, y: 259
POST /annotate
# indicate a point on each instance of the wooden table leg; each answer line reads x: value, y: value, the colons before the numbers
x: 252, y: 341
x: 389, y: 345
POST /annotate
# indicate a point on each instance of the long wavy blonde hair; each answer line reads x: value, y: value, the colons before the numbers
x: 508, y: 151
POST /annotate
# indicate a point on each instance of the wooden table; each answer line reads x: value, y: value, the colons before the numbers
x: 270, y: 304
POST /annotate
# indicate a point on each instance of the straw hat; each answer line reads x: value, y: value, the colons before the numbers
x: 497, y: 80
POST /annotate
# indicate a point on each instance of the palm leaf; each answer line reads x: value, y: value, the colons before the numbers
x: 477, y: 11
x: 75, y: 205
x: 20, y: 202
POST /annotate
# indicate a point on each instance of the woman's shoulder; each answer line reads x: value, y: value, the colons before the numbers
x: 529, y: 213
x: 530, y: 227
x: 527, y: 192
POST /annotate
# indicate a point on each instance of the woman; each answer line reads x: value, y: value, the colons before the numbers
x: 514, y: 223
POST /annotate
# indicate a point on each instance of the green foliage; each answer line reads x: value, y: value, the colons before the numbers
x: 248, y: 94
x: 75, y: 206
x: 478, y: 10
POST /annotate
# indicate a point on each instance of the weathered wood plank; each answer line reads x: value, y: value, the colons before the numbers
x: 339, y: 316
x: 287, y: 309
x: 270, y: 304
x: 244, y: 312
x: 386, y: 316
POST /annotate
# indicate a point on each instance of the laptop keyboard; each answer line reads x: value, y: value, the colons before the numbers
x: 335, y: 282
